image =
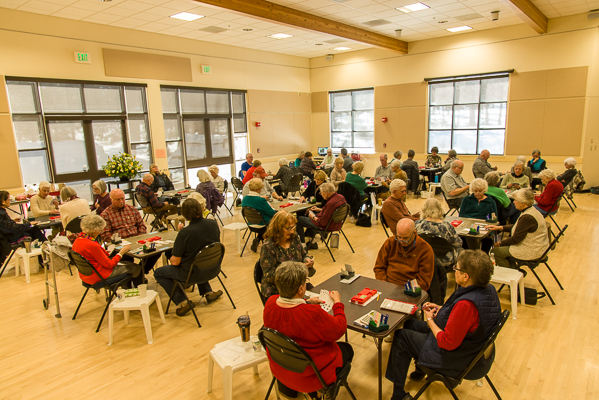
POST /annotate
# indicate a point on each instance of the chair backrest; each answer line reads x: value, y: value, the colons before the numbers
x: 500, y: 210
x: 296, y: 180
x: 440, y: 245
x: 84, y: 266
x: 143, y: 202
x: 207, y: 263
x: 258, y: 274
x: 287, y: 353
x: 225, y: 186
x: 237, y: 183
x: 339, y: 216
x: 413, y: 175
x: 384, y: 223
x: 553, y: 243
x: 351, y: 195
x: 74, y: 225
x: 252, y: 217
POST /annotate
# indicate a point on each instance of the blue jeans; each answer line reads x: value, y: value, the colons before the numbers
x: 543, y: 212
x: 165, y: 275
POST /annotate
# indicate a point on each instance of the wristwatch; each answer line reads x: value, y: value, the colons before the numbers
x: 428, y: 319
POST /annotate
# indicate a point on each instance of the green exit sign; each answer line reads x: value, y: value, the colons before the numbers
x: 206, y: 69
x: 83, y: 58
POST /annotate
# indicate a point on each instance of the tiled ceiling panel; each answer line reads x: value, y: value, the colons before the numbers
x: 221, y: 26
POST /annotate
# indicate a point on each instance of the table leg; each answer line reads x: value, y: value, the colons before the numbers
x: 514, y: 298
x: 27, y: 266
x: 238, y: 239
x: 126, y: 316
x: 228, y: 383
x: 210, y: 373
x: 160, y: 311
x: 110, y: 323
x: 522, y: 290
x: 379, y: 346
x: 145, y: 315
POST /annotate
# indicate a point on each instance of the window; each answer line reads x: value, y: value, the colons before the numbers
x: 66, y: 131
x: 468, y: 113
x: 202, y: 127
x: 352, y: 120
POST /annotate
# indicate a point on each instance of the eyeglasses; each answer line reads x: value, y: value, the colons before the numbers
x: 307, y: 280
x: 455, y: 268
x: 290, y: 228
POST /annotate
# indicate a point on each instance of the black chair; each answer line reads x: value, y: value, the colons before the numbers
x: 339, y: 216
x: 478, y: 368
x: 238, y: 189
x: 258, y: 274
x: 255, y: 222
x: 557, y: 203
x: 384, y: 223
x: 415, y: 178
x: 501, y: 218
x: 441, y: 247
x: 7, y: 250
x: 206, y: 266
x: 351, y: 196
x: 291, y: 356
x: 74, y: 225
x: 159, y: 216
x: 226, y: 188
x: 532, y: 264
x: 450, y: 207
x: 294, y: 184
x: 109, y: 284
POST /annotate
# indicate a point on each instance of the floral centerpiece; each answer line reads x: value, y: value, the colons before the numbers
x: 123, y: 165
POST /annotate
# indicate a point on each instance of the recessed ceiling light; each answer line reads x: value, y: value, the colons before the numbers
x: 318, y: 44
x: 442, y: 22
x: 105, y: 1
x: 185, y: 16
x: 342, y: 48
x: 412, y: 7
x: 247, y: 29
x: 279, y: 36
x: 459, y: 28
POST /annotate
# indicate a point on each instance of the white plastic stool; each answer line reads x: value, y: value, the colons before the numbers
x: 232, y: 356
x: 432, y: 188
x: 136, y: 303
x: 513, y: 278
x: 375, y: 208
x: 237, y: 227
x: 25, y: 258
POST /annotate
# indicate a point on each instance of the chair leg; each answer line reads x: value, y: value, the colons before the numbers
x: 568, y: 203
x: 178, y: 284
x: 226, y: 291
x: 223, y: 272
x: 422, y: 389
x: 79, y: 306
x: 352, y: 249
x: 104, y: 313
x: 326, y: 243
x: 554, y: 277
x: 493, y: 387
x: 246, y: 243
x: 270, y: 387
x: 351, y: 394
x: 7, y: 261
x: 543, y: 285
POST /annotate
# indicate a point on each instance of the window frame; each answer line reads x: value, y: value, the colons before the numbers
x: 353, y: 131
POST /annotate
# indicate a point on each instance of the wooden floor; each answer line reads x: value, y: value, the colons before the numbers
x: 549, y: 352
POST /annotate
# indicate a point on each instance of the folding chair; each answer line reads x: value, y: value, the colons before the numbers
x: 557, y: 202
x: 384, y: 223
x: 473, y: 371
x: 255, y: 222
x: 339, y: 216
x: 532, y: 264
x: 237, y: 189
x: 147, y: 209
x: 74, y: 225
x: 291, y: 356
x: 207, y: 266
x: 441, y: 247
x: 109, y: 284
x: 7, y: 250
x: 226, y: 189
x: 450, y: 207
x: 258, y: 274
x: 294, y: 184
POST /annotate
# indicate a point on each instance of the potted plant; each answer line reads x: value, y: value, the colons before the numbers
x: 123, y: 165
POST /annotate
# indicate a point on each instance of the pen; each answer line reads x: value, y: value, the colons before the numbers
x: 377, y: 296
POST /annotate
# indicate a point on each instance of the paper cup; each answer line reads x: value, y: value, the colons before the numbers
x: 143, y: 290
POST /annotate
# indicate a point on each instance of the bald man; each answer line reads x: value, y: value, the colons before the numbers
x: 404, y: 257
x: 481, y: 166
x: 384, y: 172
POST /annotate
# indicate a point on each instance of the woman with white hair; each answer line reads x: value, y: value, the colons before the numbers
x: 206, y: 188
x: 546, y: 201
x: 356, y: 180
x: 433, y: 224
x: 102, y: 197
x: 200, y: 199
x: 452, y: 155
x: 522, y: 159
x: 338, y: 174
x: 86, y: 245
x: 42, y: 203
x: 399, y: 173
x: 218, y: 181
x: 72, y: 206
x: 517, y: 179
x: 284, y: 174
x: 478, y: 205
x: 528, y: 238
x: 566, y: 177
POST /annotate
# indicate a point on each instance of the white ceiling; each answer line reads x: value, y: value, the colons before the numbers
x: 153, y: 16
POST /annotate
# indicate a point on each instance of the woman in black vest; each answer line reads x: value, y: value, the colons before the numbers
x: 452, y: 335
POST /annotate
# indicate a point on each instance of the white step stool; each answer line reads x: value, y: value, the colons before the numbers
x: 232, y: 356
x: 24, y: 258
x: 136, y: 303
x: 237, y: 227
x: 513, y: 278
x: 376, y: 209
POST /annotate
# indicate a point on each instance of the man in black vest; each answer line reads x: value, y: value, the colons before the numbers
x: 451, y: 335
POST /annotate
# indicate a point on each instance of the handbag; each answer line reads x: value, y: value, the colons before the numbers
x: 364, y: 220
x: 531, y: 296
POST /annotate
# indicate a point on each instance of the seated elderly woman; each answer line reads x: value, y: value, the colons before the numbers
x: 161, y: 180
x: 529, y: 238
x: 478, y: 205
x: 308, y: 325
x: 356, y: 180
x: 452, y: 155
x: 43, y: 204
x: 320, y: 177
x: 218, y: 181
x: 566, y: 177
x: 536, y: 165
x: 72, y: 206
x: 522, y: 159
x: 101, y: 197
x: 508, y: 211
x: 546, y: 201
x: 307, y: 165
x: 338, y: 174
x: 284, y: 174
x: 214, y: 199
x: 451, y: 335
x: 433, y: 158
x: 200, y: 199
x: 13, y: 230
x: 300, y: 157
x: 399, y: 173
x: 86, y: 245
x: 516, y: 179
x: 260, y: 204
x: 250, y: 172
x: 281, y: 244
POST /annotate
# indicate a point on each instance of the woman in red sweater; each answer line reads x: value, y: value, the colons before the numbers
x: 310, y: 326
x: 553, y: 190
x: 85, y: 244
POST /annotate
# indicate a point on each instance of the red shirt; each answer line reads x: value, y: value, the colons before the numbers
x: 248, y: 175
x: 314, y: 330
x: 462, y: 320
x: 97, y: 256
x: 550, y: 195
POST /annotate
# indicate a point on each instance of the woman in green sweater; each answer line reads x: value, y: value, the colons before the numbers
x: 260, y: 204
x: 478, y: 205
x: 356, y: 180
x: 509, y: 212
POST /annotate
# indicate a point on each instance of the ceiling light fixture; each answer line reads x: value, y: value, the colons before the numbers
x: 247, y: 29
x: 279, y: 36
x: 412, y: 7
x: 185, y: 16
x: 494, y: 15
x: 398, y: 32
x: 459, y: 29
x: 442, y: 22
x: 342, y: 48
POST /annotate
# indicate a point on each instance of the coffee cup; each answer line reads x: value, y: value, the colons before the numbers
x: 143, y: 290
x: 27, y: 243
x: 244, y: 327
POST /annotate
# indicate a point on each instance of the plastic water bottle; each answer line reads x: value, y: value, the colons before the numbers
x: 436, y: 178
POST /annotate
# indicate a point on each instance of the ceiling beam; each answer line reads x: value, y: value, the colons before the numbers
x: 529, y: 13
x: 272, y: 12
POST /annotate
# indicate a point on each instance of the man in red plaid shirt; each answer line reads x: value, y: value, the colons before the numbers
x: 320, y: 220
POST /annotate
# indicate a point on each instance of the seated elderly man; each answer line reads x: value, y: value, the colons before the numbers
x: 284, y: 174
x: 347, y: 160
x: 125, y: 220
x: 410, y: 160
x: 145, y: 191
x: 267, y: 191
x: 452, y: 156
x: 329, y: 159
x: 394, y: 208
x: 249, y: 160
x: 481, y: 166
x: 405, y: 256
x: 318, y: 218
x: 383, y: 172
x: 454, y: 186
x: 509, y: 211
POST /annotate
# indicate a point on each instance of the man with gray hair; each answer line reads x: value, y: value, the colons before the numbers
x: 394, y: 208
x: 481, y: 166
x: 318, y: 218
x: 249, y: 160
x: 384, y: 172
x: 144, y: 190
x: 347, y: 160
x: 284, y: 174
x: 454, y: 186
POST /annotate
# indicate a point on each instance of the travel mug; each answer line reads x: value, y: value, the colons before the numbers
x: 27, y: 243
x: 244, y: 327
